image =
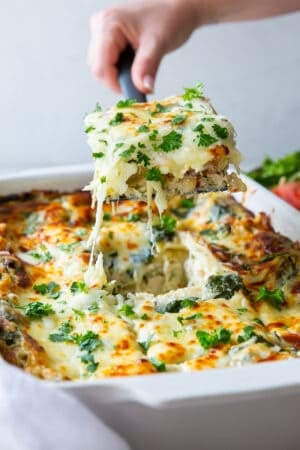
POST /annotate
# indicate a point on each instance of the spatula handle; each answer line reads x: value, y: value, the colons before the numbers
x: 124, y: 66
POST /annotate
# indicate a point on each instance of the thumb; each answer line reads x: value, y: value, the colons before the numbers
x: 146, y: 63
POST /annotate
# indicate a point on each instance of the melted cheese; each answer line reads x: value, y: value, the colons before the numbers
x: 157, y: 311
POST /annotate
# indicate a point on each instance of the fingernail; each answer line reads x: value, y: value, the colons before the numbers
x: 148, y: 82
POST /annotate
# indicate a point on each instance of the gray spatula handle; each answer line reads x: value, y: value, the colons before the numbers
x: 124, y: 66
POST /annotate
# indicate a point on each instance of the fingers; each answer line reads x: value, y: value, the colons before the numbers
x: 107, y: 42
x: 148, y: 56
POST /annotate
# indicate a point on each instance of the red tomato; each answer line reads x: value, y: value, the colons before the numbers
x: 290, y: 192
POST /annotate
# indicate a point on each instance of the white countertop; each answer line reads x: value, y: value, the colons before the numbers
x: 251, y: 72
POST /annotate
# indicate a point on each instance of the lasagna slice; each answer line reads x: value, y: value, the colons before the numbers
x: 159, y: 149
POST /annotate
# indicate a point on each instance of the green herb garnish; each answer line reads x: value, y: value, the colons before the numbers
x: 143, y: 129
x: 78, y: 286
x: 221, y: 132
x: 117, y: 119
x: 193, y: 92
x: 36, y: 310
x: 153, y: 174
x: 51, y: 289
x: 208, y: 340
x: 126, y: 103
x: 171, y: 141
x: 98, y: 155
x: 274, y: 298
x: 127, y: 310
x: 177, y: 120
x: 141, y: 158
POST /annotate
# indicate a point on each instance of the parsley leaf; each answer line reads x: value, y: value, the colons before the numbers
x: 205, y: 140
x: 128, y: 152
x: 88, y: 342
x: 142, y: 158
x: 89, y: 128
x: 68, y: 248
x: 97, y: 108
x: 194, y: 92
x: 153, y: 135
x: 78, y: 313
x: 143, y: 129
x: 36, y: 310
x: 275, y: 298
x: 181, y: 319
x: 147, y: 343
x: 51, y: 289
x: 42, y: 256
x: 153, y: 174
x: 78, y: 286
x: 63, y: 334
x: 98, y: 155
x: 103, y: 179
x: 248, y: 333
x: 88, y: 359
x: 93, y: 308
x: 127, y: 310
x: 221, y: 132
x: 165, y: 229
x: 177, y: 120
x: 171, y: 141
x: 107, y: 217
x: 126, y: 103
x: 117, y: 119
x: 208, y: 340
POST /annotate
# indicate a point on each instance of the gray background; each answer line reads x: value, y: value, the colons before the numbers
x: 251, y: 71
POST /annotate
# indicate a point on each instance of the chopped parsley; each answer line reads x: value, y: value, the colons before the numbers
x: 177, y: 120
x: 117, y: 119
x: 159, y: 365
x: 103, y: 179
x: 89, y: 128
x: 153, y: 135
x: 177, y: 333
x: 97, y: 108
x: 63, y: 333
x: 248, y: 333
x: 142, y: 159
x: 88, y: 342
x: 126, y: 103
x: 221, y: 132
x: 242, y: 310
x: 36, y: 310
x: 181, y: 319
x: 126, y: 153
x: 78, y: 286
x: 171, y: 141
x: 193, y: 92
x: 165, y: 229
x: 159, y: 108
x: 153, y: 174
x: 205, y: 140
x: 224, y: 286
x: 275, y: 298
x: 78, y: 313
x: 88, y: 359
x: 42, y: 256
x: 68, y: 248
x: 51, y: 289
x: 208, y: 340
x: 127, y: 310
x: 143, y: 129
x: 98, y: 155
x: 145, y: 317
x: 93, y: 308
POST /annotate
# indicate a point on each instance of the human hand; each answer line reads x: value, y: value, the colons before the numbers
x: 151, y: 28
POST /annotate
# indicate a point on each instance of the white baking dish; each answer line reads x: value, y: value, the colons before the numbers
x: 240, y: 408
